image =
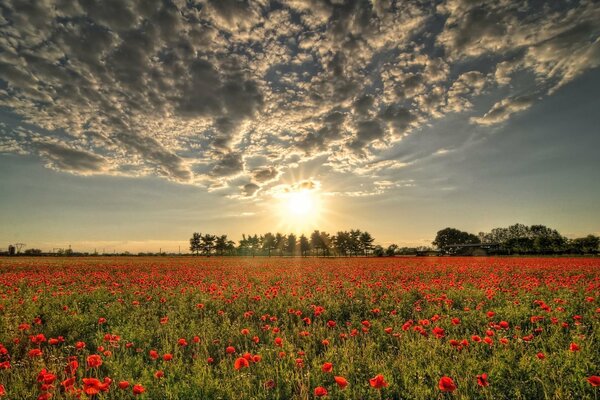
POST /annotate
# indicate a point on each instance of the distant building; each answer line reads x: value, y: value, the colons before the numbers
x: 12, y: 250
x: 472, y: 249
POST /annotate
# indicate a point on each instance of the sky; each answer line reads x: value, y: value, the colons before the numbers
x: 128, y: 125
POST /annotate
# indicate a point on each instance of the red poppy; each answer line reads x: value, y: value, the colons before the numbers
x: 159, y: 374
x: 594, y: 380
x: 92, y: 386
x: 34, y: 353
x: 378, y: 382
x: 2, y: 390
x: 94, y: 361
x: 574, y: 347
x: 241, y: 363
x: 482, y: 380
x: 138, y: 389
x: 341, y: 381
x: 327, y: 367
x: 123, y: 385
x: 320, y: 391
x: 168, y: 357
x: 230, y: 350
x: 446, y: 384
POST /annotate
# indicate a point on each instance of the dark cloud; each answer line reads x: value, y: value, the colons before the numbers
x: 190, y: 89
x: 68, y: 159
x: 250, y: 189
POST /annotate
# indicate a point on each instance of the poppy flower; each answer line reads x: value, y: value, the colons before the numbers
x: 138, y: 389
x: 168, y: 357
x: 94, y: 361
x: 2, y: 390
x: 594, y: 380
x: 320, y: 391
x: 241, y: 362
x: 270, y: 384
x: 123, y: 385
x: 230, y: 350
x: 278, y: 341
x: 159, y: 374
x: 68, y: 384
x: 92, y: 386
x: 446, y: 384
x: 34, y: 353
x: 574, y: 347
x: 540, y: 355
x: 378, y: 382
x: 341, y: 381
x: 327, y: 367
x: 482, y: 380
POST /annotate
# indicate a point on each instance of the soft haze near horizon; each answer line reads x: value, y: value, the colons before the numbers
x: 130, y: 128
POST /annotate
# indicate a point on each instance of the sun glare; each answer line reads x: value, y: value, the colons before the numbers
x: 299, y: 209
x: 300, y: 203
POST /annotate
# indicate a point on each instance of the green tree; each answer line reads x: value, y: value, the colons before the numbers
x: 290, y: 245
x: 268, y: 242
x: 279, y: 243
x: 195, y: 243
x: 315, y: 241
x: 304, y: 245
x: 366, y: 242
x: 207, y: 244
x: 586, y: 245
x: 391, y: 250
x: 450, y: 236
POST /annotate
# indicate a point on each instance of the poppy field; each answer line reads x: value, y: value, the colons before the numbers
x: 293, y: 328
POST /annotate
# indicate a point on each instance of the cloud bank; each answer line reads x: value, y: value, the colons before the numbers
x: 230, y: 94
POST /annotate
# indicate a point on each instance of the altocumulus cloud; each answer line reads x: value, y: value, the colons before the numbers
x: 198, y: 91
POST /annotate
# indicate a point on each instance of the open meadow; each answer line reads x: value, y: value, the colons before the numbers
x: 293, y: 328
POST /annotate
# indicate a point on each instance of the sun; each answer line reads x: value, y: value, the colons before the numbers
x: 301, y: 203
x: 299, y: 209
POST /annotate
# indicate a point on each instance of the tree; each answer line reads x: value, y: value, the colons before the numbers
x: 279, y: 242
x: 588, y: 244
x: 391, y: 250
x: 254, y: 243
x: 223, y: 245
x: 290, y: 245
x: 207, y: 244
x: 450, y: 236
x: 316, y: 241
x: 378, y: 251
x: 304, y: 245
x: 354, y: 243
x: 268, y: 242
x: 33, y: 252
x: 366, y: 242
x: 195, y: 243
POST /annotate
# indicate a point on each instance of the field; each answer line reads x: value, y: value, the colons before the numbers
x: 285, y: 328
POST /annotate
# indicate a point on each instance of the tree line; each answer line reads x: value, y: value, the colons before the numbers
x: 515, y: 239
x: 319, y: 243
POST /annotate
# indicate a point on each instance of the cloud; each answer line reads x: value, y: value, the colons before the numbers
x: 230, y: 93
x: 68, y: 159
x: 503, y: 109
